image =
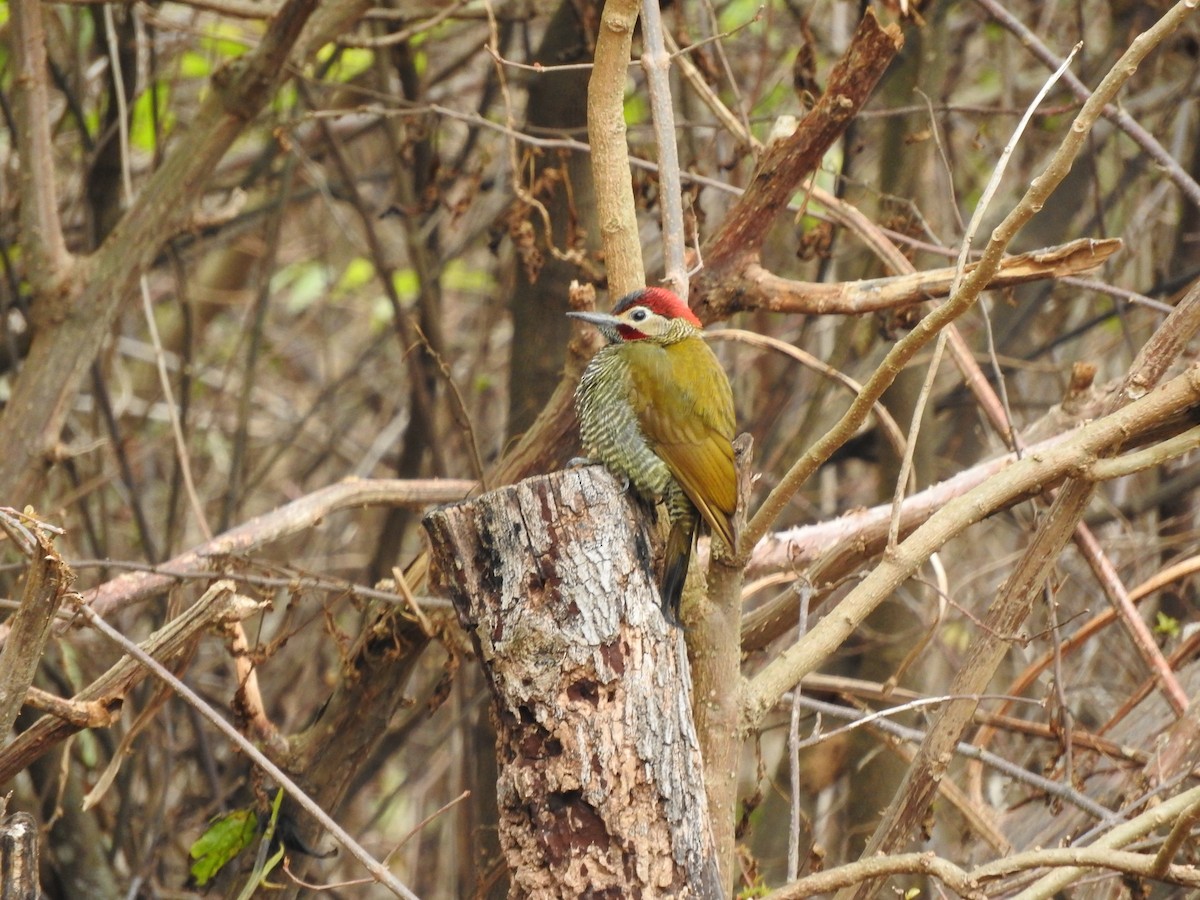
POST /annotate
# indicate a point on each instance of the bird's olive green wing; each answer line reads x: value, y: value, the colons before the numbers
x: 684, y: 406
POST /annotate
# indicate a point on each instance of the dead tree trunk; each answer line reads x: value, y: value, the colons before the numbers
x: 19, y: 858
x: 600, y: 789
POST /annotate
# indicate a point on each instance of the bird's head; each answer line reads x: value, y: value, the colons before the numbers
x: 647, y: 314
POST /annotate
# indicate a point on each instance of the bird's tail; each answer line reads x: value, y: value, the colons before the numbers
x: 675, y: 564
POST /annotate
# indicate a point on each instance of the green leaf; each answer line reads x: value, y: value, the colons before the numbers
x: 141, y: 134
x: 407, y: 284
x: 225, y: 838
x: 458, y: 276
x: 351, y: 62
x: 194, y: 65
x: 1166, y: 625
x: 359, y: 272
x: 636, y: 110
x: 301, y: 284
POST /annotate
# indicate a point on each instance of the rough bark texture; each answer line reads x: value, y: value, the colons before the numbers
x: 46, y: 583
x: 615, y: 206
x: 723, y: 284
x: 19, y: 858
x: 600, y: 787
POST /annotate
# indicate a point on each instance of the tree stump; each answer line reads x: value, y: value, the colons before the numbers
x: 19, y: 858
x: 600, y: 790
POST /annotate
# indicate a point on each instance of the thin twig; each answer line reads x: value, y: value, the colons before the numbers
x: 879, y: 719
x: 887, y: 423
x: 657, y: 65
x: 906, y: 462
x: 1166, y: 812
x: 1122, y: 119
x: 291, y: 518
x: 1020, y: 478
x: 404, y: 35
x: 160, y: 366
x: 372, y: 865
x: 1139, y: 633
x: 794, y: 744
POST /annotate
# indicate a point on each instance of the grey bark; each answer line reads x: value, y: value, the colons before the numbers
x: 19, y: 858
x: 600, y: 788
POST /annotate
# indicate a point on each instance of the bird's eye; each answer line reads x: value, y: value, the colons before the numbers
x: 638, y: 315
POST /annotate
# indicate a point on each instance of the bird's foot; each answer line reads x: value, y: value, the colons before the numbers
x: 576, y: 461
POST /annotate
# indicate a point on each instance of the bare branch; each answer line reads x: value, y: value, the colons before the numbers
x: 657, y: 64
x: 615, y: 207
x: 1026, y: 476
x: 50, y: 268
x: 47, y: 581
x: 289, y: 519
x: 219, y: 604
x: 355, y: 849
x: 786, y: 161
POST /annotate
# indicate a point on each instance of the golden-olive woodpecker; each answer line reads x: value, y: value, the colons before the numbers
x: 655, y: 407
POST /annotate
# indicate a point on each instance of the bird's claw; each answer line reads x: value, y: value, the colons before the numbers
x: 576, y: 461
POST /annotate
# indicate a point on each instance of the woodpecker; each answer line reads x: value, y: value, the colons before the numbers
x: 655, y: 407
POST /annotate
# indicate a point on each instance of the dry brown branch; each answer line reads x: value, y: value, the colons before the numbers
x: 1168, y: 812
x: 977, y: 813
x: 350, y: 725
x: 760, y: 289
x: 221, y: 603
x: 969, y: 883
x: 928, y: 864
x: 738, y: 242
x: 1012, y: 606
x: 873, y: 236
x: 82, y: 714
x: 248, y: 701
x: 293, y: 518
x: 1135, y: 627
x: 615, y: 208
x: 855, y: 687
x: 146, y: 660
x: 1139, y: 135
x: 47, y: 581
x: 1031, y: 474
x: 828, y: 551
x: 51, y: 269
x: 906, y: 348
x: 1182, y: 569
x: 235, y: 9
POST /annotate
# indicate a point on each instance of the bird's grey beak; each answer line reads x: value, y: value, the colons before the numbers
x: 599, y: 319
x: 606, y: 323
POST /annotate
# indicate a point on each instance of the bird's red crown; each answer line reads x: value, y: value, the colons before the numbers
x: 660, y: 301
